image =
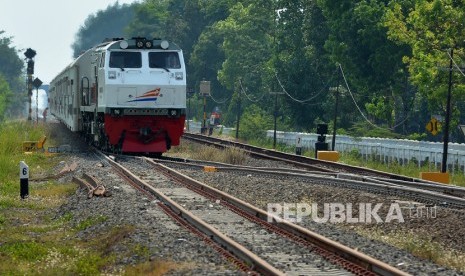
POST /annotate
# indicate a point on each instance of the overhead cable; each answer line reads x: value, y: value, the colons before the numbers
x: 355, y: 102
x: 219, y: 101
x: 311, y: 97
x: 455, y: 64
x: 247, y: 96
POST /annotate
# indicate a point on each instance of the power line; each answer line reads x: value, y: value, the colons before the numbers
x: 247, y: 96
x: 455, y: 64
x: 306, y: 100
x: 219, y: 101
x: 358, y: 108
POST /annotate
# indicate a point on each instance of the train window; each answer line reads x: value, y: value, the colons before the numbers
x: 125, y: 60
x: 164, y: 60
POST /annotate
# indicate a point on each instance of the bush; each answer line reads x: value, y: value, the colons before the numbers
x: 254, y: 123
x: 417, y: 136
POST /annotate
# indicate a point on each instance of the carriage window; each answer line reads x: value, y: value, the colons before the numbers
x: 164, y: 60
x: 125, y: 60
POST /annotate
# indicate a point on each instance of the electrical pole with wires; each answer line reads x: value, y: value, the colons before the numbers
x: 205, y: 91
x: 275, y: 114
x: 333, y: 142
x: 238, y: 110
x: 446, y: 127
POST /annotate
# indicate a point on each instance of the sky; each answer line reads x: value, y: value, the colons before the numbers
x: 48, y: 27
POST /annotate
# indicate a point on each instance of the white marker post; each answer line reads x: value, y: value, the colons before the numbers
x: 24, y: 179
x: 298, y: 145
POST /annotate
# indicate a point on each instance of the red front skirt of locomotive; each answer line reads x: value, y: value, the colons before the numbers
x: 144, y: 134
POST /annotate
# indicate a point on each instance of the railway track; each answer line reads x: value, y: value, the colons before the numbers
x: 447, y: 196
x: 269, y: 248
x: 298, y: 160
x: 338, y: 170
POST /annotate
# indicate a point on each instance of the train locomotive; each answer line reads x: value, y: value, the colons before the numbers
x: 124, y: 95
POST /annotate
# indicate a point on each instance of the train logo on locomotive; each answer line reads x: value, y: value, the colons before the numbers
x: 152, y: 95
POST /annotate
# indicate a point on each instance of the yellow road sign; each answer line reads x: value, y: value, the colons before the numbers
x: 433, y: 126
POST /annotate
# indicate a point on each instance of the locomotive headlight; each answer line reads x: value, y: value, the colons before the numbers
x: 148, y: 44
x: 112, y: 75
x: 173, y: 112
x: 164, y: 44
x: 179, y: 75
x: 123, y: 44
x: 117, y: 112
x: 140, y: 44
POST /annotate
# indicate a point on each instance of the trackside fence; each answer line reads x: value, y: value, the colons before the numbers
x: 388, y: 151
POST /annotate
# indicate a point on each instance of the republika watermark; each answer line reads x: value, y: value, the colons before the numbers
x: 348, y: 212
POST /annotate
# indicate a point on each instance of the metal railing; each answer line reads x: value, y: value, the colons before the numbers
x: 386, y: 150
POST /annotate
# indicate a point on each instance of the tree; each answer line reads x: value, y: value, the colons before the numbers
x: 11, y: 66
x: 5, y: 93
x: 431, y: 28
x: 372, y: 63
x: 255, y: 122
x: 150, y: 19
x: 108, y: 23
x: 300, y: 62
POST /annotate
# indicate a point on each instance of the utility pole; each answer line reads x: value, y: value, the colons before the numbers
x: 205, y: 91
x: 238, y: 110
x: 446, y: 129
x: 190, y: 92
x: 333, y: 143
x: 275, y: 119
x: 275, y: 113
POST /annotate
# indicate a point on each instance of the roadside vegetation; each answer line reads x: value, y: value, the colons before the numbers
x: 422, y: 246
x: 234, y: 156
x: 34, y: 240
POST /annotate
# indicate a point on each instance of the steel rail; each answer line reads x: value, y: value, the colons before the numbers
x: 237, y: 249
x: 436, y: 193
x: 296, y: 159
x: 338, y: 249
x: 224, y: 166
x: 253, y: 151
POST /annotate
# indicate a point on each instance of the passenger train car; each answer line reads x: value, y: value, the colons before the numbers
x: 124, y: 95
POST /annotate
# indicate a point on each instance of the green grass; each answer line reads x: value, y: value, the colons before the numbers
x: 411, y: 169
x: 24, y: 251
x: 90, y: 222
x: 32, y: 240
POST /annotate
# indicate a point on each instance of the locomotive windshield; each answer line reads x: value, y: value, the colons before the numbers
x: 125, y: 60
x: 164, y: 60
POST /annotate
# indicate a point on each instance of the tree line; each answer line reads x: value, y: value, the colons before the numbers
x: 12, y: 83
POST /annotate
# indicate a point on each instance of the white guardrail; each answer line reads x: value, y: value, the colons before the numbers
x: 388, y: 150
x: 402, y: 151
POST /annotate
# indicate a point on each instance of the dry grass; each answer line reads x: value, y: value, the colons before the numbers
x: 419, y: 245
x: 189, y: 150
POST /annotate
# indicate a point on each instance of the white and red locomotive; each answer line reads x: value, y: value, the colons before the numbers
x: 124, y: 95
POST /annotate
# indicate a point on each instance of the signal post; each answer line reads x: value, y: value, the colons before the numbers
x: 30, y: 54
